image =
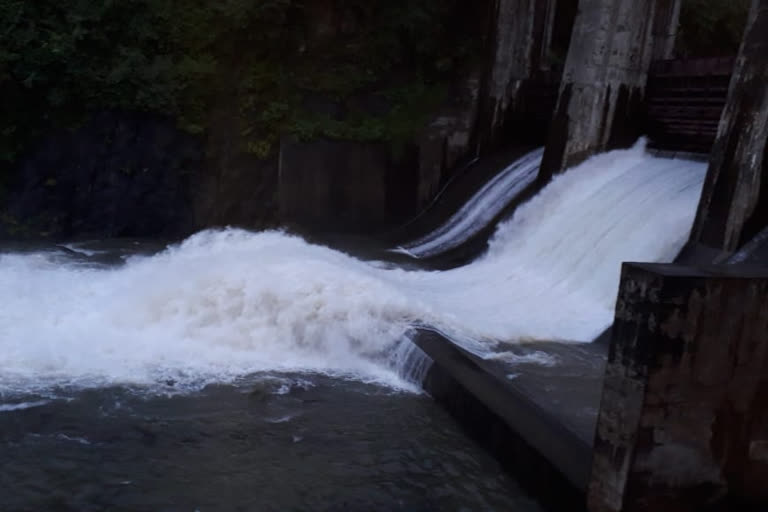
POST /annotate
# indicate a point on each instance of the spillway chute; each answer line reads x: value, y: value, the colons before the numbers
x: 479, y: 211
x: 226, y: 304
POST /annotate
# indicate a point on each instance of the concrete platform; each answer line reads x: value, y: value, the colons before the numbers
x: 568, y: 389
x: 538, y: 420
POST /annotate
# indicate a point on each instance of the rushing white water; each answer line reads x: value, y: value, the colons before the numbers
x: 225, y: 304
x: 480, y: 210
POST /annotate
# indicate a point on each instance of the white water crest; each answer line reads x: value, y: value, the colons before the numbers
x: 23, y: 405
x: 480, y: 210
x: 226, y: 304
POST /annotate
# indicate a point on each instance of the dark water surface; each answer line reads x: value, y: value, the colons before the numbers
x: 270, y: 442
x: 282, y: 442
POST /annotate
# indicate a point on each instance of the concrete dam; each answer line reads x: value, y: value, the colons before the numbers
x: 642, y: 193
x: 308, y: 308
x: 552, y: 298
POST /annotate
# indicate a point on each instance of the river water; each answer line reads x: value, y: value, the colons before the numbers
x: 277, y: 442
x: 256, y: 371
x: 93, y: 420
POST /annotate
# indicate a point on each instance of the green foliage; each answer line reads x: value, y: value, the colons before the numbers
x: 61, y: 61
x: 397, y: 53
x: 711, y: 28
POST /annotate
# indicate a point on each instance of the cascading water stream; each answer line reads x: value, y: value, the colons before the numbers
x: 227, y: 304
x: 480, y: 210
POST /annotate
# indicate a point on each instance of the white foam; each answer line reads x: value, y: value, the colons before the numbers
x: 225, y: 304
x: 80, y: 249
x: 480, y: 210
x: 78, y: 440
x: 23, y: 405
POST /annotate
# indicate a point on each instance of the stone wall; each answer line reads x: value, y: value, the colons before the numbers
x: 734, y: 202
x: 684, y: 416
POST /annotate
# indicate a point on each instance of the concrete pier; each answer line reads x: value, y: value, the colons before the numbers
x: 601, y: 93
x: 520, y: 33
x: 734, y: 202
x: 684, y: 416
x: 665, y: 23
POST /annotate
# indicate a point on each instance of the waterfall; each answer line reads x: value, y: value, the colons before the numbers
x: 226, y: 304
x: 480, y: 210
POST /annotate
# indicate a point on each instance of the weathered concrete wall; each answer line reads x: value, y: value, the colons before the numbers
x: 684, y: 415
x: 603, y: 82
x: 447, y: 140
x: 512, y: 34
x: 665, y: 25
x: 734, y: 202
x: 343, y: 186
x: 520, y: 36
x: 120, y: 174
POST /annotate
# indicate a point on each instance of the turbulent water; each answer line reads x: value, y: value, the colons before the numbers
x: 283, y: 443
x: 223, y: 305
x: 480, y: 210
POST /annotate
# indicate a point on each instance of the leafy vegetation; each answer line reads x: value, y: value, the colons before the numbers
x: 62, y: 61
x: 710, y: 28
x: 355, y: 69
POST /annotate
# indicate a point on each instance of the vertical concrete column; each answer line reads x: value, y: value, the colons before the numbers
x: 603, y: 81
x: 549, y: 9
x: 734, y: 202
x: 683, y: 421
x: 665, y: 25
x: 521, y: 32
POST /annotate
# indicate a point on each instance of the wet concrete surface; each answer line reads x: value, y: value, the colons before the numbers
x: 537, y: 433
x: 568, y: 386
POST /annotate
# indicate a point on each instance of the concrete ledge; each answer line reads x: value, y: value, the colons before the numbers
x: 550, y: 460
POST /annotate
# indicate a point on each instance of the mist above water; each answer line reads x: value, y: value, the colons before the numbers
x: 226, y: 304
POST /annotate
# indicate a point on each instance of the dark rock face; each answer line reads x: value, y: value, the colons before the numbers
x: 683, y: 421
x: 119, y: 175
